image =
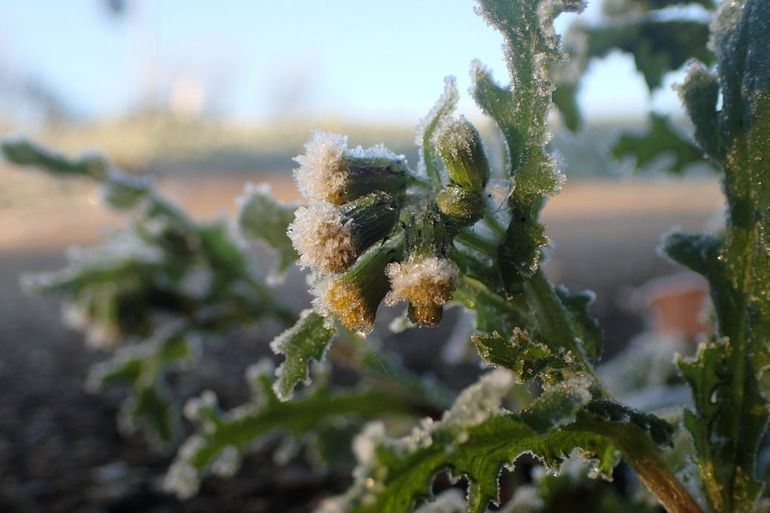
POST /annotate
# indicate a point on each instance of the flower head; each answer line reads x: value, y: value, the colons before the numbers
x: 354, y: 297
x: 329, y: 171
x: 426, y: 279
x: 322, y: 238
x: 329, y: 238
x: 425, y: 283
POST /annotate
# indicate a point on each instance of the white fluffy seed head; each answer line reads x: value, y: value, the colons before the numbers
x: 322, y: 172
x: 322, y: 238
x: 423, y: 282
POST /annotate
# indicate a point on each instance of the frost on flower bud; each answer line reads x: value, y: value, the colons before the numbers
x: 330, y: 171
x: 354, y: 296
x: 462, y: 152
x: 462, y: 207
x: 426, y: 283
x: 329, y: 239
x: 426, y: 279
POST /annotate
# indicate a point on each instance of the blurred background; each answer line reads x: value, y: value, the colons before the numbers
x: 205, y: 98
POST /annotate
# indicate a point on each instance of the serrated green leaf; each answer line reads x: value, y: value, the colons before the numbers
x: 520, y: 250
x: 394, y: 475
x: 143, y: 367
x: 658, y: 45
x: 260, y: 218
x: 307, y: 340
x: 659, y: 431
x: 731, y: 413
x: 585, y: 327
x: 526, y: 358
x: 152, y: 409
x: 660, y: 140
x: 520, y: 110
x: 558, y: 405
x: 565, y: 99
x: 265, y: 418
x: 700, y: 96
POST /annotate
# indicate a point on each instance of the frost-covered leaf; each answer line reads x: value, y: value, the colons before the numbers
x: 660, y: 140
x: 428, y: 163
x: 526, y: 358
x: 612, y: 413
x: 394, y: 475
x: 261, y: 218
x: 731, y: 412
x: 26, y: 153
x: 585, y: 327
x: 521, y: 111
x: 143, y: 368
x: 307, y: 340
x: 223, y: 437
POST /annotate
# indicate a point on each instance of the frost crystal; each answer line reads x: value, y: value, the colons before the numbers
x: 322, y: 238
x: 450, y: 501
x: 322, y: 170
x: 479, y: 401
x: 329, y: 171
x: 366, y: 442
x: 227, y: 463
x: 425, y: 282
x: 526, y: 499
x: 182, y: 480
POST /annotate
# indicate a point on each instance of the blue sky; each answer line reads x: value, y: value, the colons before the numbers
x: 257, y: 59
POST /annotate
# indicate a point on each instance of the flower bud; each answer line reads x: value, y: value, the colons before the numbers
x: 426, y: 235
x: 463, y: 207
x: 462, y: 152
x: 425, y: 282
x: 329, y: 239
x: 426, y: 279
x: 355, y: 296
x: 331, y: 172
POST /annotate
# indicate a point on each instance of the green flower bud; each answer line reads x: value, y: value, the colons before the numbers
x: 355, y: 296
x: 463, y: 207
x: 331, y: 172
x: 329, y: 239
x: 462, y: 151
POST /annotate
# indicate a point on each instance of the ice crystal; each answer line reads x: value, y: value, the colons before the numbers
x: 422, y: 282
x: 479, y: 401
x: 322, y: 238
x: 450, y: 501
x: 322, y: 171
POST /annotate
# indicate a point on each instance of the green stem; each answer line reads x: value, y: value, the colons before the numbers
x: 494, y: 224
x: 554, y: 324
x: 643, y: 456
x: 418, y: 181
x: 475, y: 241
x: 637, y: 448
